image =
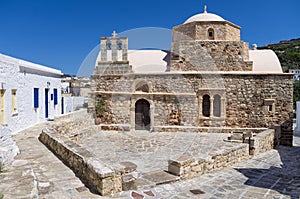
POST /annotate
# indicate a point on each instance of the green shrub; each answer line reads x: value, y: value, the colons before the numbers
x: 1, y: 195
x: 100, y: 107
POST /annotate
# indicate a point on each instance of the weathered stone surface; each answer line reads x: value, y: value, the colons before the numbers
x: 188, y: 167
x: 129, y: 183
x: 244, y: 100
x: 95, y: 175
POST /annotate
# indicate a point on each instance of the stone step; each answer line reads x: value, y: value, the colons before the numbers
x: 156, y: 178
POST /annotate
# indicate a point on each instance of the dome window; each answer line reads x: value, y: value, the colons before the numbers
x: 211, y: 34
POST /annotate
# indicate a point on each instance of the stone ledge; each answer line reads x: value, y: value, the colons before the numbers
x: 188, y: 167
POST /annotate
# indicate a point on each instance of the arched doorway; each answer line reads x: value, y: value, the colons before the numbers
x: 142, y: 115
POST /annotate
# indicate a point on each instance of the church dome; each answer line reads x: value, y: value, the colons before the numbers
x: 204, y: 17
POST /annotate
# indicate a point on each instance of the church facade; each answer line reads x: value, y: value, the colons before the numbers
x: 212, y: 82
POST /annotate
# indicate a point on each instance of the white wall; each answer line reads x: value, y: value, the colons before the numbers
x: 24, y: 77
x: 297, y: 130
x: 8, y: 147
x: 72, y: 104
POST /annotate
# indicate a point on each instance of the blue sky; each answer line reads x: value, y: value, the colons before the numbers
x: 61, y: 33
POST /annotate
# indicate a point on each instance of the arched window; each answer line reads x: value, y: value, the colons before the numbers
x: 217, y: 106
x: 211, y: 34
x: 206, y: 106
x: 108, y: 45
x: 120, y: 45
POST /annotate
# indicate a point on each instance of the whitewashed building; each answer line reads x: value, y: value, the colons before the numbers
x: 297, y: 129
x: 29, y: 94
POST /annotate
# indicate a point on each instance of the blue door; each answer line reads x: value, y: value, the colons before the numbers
x: 46, y: 103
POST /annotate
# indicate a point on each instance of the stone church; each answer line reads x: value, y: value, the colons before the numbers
x: 209, y: 81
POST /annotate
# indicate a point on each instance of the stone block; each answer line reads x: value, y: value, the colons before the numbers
x: 128, y: 183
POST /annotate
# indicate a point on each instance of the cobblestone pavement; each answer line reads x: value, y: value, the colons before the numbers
x: 37, y: 173
x: 151, y: 151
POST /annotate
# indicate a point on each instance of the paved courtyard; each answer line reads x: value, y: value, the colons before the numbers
x: 37, y: 173
x: 151, y: 151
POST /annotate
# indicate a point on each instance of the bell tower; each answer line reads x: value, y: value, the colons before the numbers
x: 113, y: 56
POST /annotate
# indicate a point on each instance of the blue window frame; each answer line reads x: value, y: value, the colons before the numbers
x: 55, y: 96
x: 35, y: 97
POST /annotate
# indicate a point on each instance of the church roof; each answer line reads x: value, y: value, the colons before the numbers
x: 205, y: 16
x: 265, y: 61
x: 145, y: 61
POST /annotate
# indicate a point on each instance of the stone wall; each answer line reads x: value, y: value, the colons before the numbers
x: 210, y: 56
x: 99, y: 178
x: 188, y: 167
x: 263, y: 142
x: 198, y: 31
x: 247, y: 99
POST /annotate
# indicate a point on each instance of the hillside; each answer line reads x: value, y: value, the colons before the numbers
x: 288, y: 53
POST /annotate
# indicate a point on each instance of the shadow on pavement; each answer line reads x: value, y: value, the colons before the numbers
x: 284, y: 179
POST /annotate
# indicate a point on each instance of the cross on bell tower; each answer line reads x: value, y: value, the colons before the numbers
x: 114, y: 34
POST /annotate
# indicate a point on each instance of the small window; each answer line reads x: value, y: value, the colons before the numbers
x: 13, y: 101
x: 270, y: 108
x: 269, y: 105
x: 206, y: 106
x: 211, y: 34
x: 35, y: 97
x: 108, y: 45
x: 55, y: 96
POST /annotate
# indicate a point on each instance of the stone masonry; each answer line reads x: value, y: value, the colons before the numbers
x: 211, y: 83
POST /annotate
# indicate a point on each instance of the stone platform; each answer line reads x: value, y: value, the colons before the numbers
x: 110, y: 162
x: 37, y: 173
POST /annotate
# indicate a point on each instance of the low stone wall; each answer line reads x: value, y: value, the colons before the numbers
x: 188, y: 167
x: 263, y: 142
x: 205, y: 129
x: 98, y: 177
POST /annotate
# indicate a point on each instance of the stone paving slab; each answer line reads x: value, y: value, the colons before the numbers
x: 274, y: 174
x: 151, y: 151
x: 37, y: 173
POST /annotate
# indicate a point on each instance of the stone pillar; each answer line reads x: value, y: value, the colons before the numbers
x: 211, y: 106
x: 125, y: 49
x: 132, y: 116
x: 200, y: 106
x: 103, y: 49
x: 297, y: 129
x: 223, y: 110
x: 114, y: 49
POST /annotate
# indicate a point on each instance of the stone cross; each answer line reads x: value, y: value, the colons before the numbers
x: 205, y: 7
x: 114, y: 34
